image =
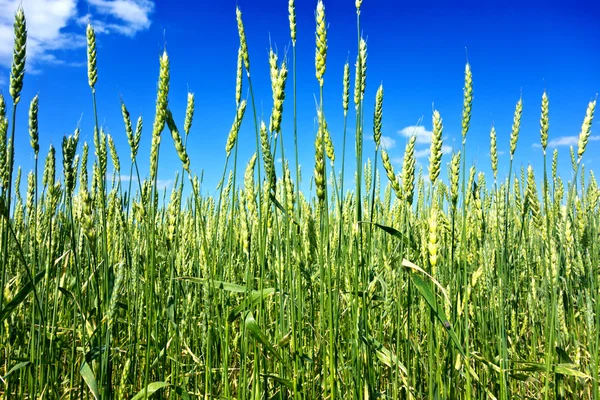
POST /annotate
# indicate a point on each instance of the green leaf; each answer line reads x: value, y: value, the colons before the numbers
x: 152, y: 388
x: 90, y: 379
x: 230, y: 287
x: 257, y: 334
x: 570, y: 370
x: 395, y: 233
x: 285, y: 382
x: 17, y: 367
x: 425, y: 291
x: 182, y: 393
x: 255, y: 297
x: 23, y: 293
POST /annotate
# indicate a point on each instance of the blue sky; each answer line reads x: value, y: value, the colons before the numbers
x: 416, y: 49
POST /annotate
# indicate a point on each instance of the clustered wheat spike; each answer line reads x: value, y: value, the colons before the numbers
x: 91, y: 56
x: 389, y: 171
x: 17, y: 71
x: 320, y: 164
x: 179, y: 147
x: 494, y: 152
x: 454, y: 175
x: 161, y: 111
x: 267, y: 156
x: 346, y: 90
x: 138, y: 136
x: 243, y: 43
x: 2, y: 106
x: 514, y: 134
x: 321, y: 39
x: 292, y: 18
x: 238, y: 77
x: 377, y: 117
x: 278, y: 80
x: 235, y: 127
x: 113, y: 154
x: 189, y: 113
x: 358, y: 3
x: 363, y: 67
x: 586, y: 130
x: 435, y: 154
x: 327, y: 138
x: 544, y: 123
x: 33, y: 126
x: 432, y: 242
x: 408, y: 170
x: 467, y: 102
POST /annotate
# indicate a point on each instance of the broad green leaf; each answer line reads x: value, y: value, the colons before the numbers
x: 230, y: 287
x: 395, y: 233
x: 90, y: 379
x: 254, y: 330
x: 17, y: 367
x: 23, y: 293
x: 569, y: 369
x: 425, y: 291
x: 152, y: 388
x: 285, y: 382
x: 255, y: 297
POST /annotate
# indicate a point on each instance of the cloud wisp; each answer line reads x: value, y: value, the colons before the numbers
x: 55, y: 26
x: 564, y: 141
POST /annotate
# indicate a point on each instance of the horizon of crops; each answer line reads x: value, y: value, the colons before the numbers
x: 394, y: 287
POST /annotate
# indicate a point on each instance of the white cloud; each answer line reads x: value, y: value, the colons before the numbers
x: 422, y: 134
x: 425, y: 152
x: 565, y: 141
x: 126, y: 17
x: 387, y: 142
x: 48, y: 22
x: 45, y: 22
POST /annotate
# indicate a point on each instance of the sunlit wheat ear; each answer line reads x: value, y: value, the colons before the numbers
x: 389, y: 171
x: 586, y: 129
x: 454, y: 174
x: 289, y: 188
x: 368, y: 168
x: 128, y: 128
x: 138, y: 136
x: 346, y: 90
x: 531, y: 196
x: 2, y: 107
x: 573, y: 158
x: 69, y: 147
x: 544, y: 122
x: 267, y: 156
x: 161, y: 112
x: 179, y: 147
x: 238, y: 77
x: 249, y: 185
x: 292, y: 18
x: 243, y: 43
x: 17, y: 71
x: 278, y: 80
x: 357, y: 4
x: 189, y: 113
x: 91, y: 56
x: 435, y: 156
x: 432, y: 242
x: 83, y: 176
x: 408, y: 170
x: 33, y: 126
x: 467, y: 102
x: 363, y: 67
x: 494, y: 152
x: 514, y: 134
x: 320, y: 165
x: 235, y: 127
x: 321, y: 41
x: 49, y: 167
x: 378, y: 115
x: 113, y: 155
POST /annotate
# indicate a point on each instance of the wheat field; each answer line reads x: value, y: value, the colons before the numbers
x: 441, y: 283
